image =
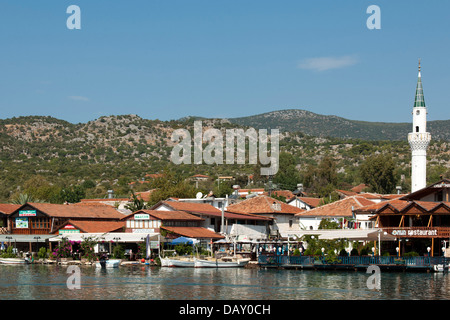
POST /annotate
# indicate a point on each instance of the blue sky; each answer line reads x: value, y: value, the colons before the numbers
x: 173, y: 58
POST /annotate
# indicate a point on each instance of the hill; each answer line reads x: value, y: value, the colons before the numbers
x: 112, y: 151
x: 332, y: 126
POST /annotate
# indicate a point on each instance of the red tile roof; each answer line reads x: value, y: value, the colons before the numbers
x: 8, y: 208
x: 340, y: 208
x: 191, y: 207
x: 207, y: 209
x: 194, y: 232
x: 77, y: 211
x: 395, y: 204
x: 312, y: 202
x: 144, y: 195
x: 90, y: 226
x: 359, y: 188
x: 167, y: 215
x: 283, y: 193
x: 262, y: 205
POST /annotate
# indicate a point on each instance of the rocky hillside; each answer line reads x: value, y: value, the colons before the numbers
x: 118, y: 149
x: 332, y: 126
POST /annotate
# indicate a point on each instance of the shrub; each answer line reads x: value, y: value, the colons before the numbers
x: 63, y: 250
x: 411, y: 254
x: 42, y: 253
x: 8, y: 253
x: 87, y: 248
x: 118, y: 252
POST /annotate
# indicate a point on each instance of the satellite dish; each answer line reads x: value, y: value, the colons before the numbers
x: 199, y: 195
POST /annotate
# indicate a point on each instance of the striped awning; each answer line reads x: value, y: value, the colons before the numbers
x: 108, y: 237
x: 25, y: 237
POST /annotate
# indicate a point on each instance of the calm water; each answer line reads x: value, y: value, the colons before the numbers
x: 144, y: 282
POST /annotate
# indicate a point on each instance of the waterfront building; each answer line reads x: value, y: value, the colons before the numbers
x: 5, y: 210
x: 341, y: 211
x: 170, y: 224
x: 283, y: 216
x: 419, y: 220
x: 236, y: 225
x: 37, y: 222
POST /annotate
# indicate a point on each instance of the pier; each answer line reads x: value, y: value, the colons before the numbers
x: 355, y: 263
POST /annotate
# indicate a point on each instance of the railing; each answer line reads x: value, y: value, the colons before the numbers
x: 272, y: 259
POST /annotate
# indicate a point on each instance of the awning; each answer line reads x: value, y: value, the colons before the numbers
x: 25, y: 237
x: 109, y: 237
x: 349, y: 234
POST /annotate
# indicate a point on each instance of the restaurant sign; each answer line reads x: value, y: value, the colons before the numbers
x: 141, y: 216
x: 414, y: 232
x: 27, y: 213
x: 68, y: 228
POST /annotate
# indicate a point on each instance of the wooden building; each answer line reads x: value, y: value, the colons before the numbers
x: 420, y: 220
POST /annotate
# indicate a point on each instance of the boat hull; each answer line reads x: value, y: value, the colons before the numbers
x: 12, y: 261
x: 166, y: 262
x: 199, y: 263
x: 108, y: 264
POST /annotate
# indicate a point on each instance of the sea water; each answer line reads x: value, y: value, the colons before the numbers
x: 141, y: 282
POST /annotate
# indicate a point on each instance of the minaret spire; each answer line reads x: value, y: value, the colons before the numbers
x: 419, y: 100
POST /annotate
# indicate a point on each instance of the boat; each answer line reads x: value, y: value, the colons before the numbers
x: 13, y: 261
x: 225, y: 262
x: 177, y: 262
x: 111, y: 263
x: 440, y: 268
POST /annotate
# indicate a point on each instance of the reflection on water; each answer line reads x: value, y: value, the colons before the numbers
x: 143, y: 282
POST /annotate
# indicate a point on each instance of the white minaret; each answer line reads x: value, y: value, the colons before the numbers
x: 419, y: 140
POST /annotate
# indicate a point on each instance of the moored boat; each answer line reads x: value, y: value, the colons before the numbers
x: 181, y: 262
x: 221, y: 263
x: 13, y: 261
x: 111, y: 263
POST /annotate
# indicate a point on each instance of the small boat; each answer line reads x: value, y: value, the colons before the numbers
x: 111, y: 263
x: 13, y: 261
x: 225, y: 262
x: 177, y: 262
x: 440, y: 268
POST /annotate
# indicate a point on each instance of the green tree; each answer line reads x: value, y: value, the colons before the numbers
x: 287, y: 176
x: 378, y: 172
x: 322, y: 180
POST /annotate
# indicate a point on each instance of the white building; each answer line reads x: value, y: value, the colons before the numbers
x: 419, y: 140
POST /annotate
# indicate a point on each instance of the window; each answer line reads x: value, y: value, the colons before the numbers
x: 417, y: 128
x: 439, y: 196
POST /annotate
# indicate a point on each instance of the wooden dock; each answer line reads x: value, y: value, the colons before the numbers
x: 352, y: 263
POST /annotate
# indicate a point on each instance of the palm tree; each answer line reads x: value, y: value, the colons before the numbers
x: 23, y: 198
x: 137, y: 203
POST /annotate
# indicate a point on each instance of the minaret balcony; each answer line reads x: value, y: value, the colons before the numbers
x: 419, y: 136
x: 419, y: 140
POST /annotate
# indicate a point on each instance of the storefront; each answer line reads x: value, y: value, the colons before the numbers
x: 420, y: 221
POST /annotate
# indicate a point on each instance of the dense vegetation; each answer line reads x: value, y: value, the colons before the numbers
x: 53, y: 160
